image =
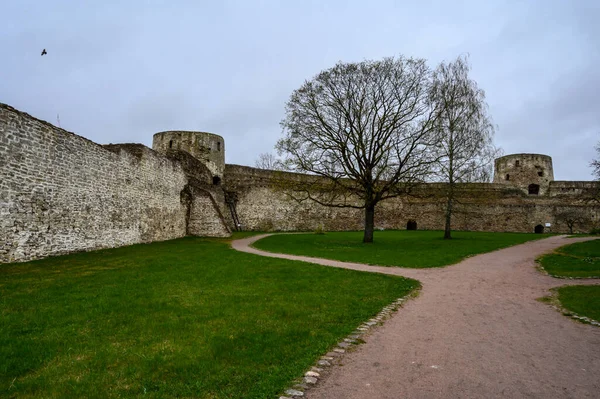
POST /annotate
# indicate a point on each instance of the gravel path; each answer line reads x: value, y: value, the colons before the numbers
x: 475, y: 331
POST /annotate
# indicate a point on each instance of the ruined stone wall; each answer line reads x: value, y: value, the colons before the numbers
x: 573, y: 188
x: 262, y: 205
x: 60, y: 192
x: 208, y: 148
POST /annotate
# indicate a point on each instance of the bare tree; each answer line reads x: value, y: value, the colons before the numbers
x: 594, y: 192
x: 363, y: 131
x: 268, y: 161
x: 464, y: 133
x: 595, y: 164
x: 570, y: 217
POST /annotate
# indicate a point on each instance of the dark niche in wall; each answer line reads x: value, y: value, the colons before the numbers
x: 216, y: 180
x: 534, y: 189
x: 411, y: 225
x: 539, y: 229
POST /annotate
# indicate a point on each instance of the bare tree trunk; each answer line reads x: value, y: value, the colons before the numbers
x: 369, y: 223
x: 447, y: 230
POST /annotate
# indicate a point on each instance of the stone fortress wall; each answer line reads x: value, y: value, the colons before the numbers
x: 483, y: 206
x: 60, y: 193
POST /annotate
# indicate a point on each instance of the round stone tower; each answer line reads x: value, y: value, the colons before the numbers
x: 529, y: 172
x: 206, y: 147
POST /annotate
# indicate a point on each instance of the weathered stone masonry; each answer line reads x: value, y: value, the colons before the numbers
x: 483, y: 206
x: 60, y: 193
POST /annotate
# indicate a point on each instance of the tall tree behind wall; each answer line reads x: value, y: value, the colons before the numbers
x: 268, y: 161
x: 595, y: 164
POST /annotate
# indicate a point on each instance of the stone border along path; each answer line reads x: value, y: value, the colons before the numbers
x: 543, y: 270
x: 475, y: 331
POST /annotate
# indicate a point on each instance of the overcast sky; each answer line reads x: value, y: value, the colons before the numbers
x: 120, y: 71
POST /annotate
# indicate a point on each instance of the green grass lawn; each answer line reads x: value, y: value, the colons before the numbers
x: 182, y: 318
x: 581, y: 299
x: 416, y: 249
x: 581, y: 260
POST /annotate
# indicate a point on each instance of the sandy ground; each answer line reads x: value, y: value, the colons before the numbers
x: 475, y: 331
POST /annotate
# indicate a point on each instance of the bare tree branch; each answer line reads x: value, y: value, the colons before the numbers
x: 269, y: 161
x: 595, y: 164
x: 570, y: 217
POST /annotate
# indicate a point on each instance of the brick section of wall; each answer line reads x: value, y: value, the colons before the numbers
x: 60, y: 192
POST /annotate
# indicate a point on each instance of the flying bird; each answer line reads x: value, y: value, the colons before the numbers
x: 44, y: 52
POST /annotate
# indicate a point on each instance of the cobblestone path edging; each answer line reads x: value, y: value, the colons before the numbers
x: 334, y: 357
x: 555, y: 303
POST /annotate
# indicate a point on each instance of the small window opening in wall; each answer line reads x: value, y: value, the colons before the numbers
x: 216, y: 180
x: 518, y: 163
x: 539, y: 229
x: 541, y: 173
x: 534, y: 189
x: 171, y: 144
x: 507, y: 177
x: 411, y: 225
x: 218, y: 146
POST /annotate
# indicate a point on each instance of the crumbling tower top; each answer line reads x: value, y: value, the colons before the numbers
x: 208, y: 148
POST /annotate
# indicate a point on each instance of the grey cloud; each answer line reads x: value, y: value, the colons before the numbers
x: 121, y: 71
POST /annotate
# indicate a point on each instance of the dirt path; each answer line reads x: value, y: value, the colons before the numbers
x: 476, y: 331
